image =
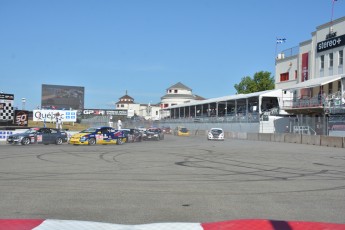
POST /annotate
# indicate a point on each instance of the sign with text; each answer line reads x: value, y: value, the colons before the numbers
x: 105, y: 112
x: 50, y: 115
x: 330, y: 43
x: 21, y: 117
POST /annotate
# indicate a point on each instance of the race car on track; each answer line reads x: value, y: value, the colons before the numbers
x: 99, y: 135
x: 181, y: 131
x: 153, y: 134
x: 39, y: 136
x: 215, y: 134
x: 133, y: 135
x: 166, y: 129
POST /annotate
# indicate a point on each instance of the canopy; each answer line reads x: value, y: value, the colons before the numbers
x: 315, y: 82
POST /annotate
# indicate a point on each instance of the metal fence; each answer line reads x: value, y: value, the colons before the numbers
x: 333, y: 125
x: 96, y: 121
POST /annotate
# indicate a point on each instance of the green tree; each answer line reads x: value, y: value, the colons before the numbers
x: 261, y: 81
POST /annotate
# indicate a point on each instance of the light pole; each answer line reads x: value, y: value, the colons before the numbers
x: 23, y: 103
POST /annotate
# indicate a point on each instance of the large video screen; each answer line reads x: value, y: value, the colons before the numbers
x: 62, y: 97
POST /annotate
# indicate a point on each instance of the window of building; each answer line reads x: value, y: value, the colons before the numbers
x: 122, y: 106
x: 284, y: 76
x: 322, y: 61
x: 330, y: 88
x: 156, y: 113
x: 331, y: 60
x: 339, y: 86
x: 295, y: 74
x: 169, y: 90
x: 175, y: 91
x: 341, y: 57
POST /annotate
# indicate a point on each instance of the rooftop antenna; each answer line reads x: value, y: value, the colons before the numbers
x: 331, y: 23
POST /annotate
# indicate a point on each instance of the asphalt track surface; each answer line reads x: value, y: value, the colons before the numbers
x: 179, y: 179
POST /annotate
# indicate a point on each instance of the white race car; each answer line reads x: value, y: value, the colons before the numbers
x: 215, y: 134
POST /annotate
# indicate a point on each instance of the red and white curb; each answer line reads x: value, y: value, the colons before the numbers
x: 37, y: 224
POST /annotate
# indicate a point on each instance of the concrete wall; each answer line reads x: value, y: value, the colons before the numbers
x: 338, y: 142
x: 311, y: 139
x: 332, y: 141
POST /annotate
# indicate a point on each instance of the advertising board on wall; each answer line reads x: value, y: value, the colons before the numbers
x: 21, y: 117
x: 105, y: 112
x: 50, y: 115
x: 331, y: 43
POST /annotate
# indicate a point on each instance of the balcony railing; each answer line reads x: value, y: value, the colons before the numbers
x: 324, y: 101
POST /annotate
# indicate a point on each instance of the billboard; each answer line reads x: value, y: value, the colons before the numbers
x: 105, y: 112
x: 21, y: 117
x: 50, y: 115
x: 62, y: 97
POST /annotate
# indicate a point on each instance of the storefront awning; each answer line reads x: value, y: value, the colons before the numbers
x: 316, y: 82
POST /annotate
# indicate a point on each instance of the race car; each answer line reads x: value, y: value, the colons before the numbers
x: 181, y: 131
x: 39, y: 136
x: 153, y: 134
x: 132, y: 135
x: 215, y: 134
x: 98, y: 135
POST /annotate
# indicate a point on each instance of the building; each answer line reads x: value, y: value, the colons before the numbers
x: 175, y: 95
x: 178, y: 94
x: 148, y: 111
x: 314, y: 73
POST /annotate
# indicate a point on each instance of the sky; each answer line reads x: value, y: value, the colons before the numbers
x: 146, y: 46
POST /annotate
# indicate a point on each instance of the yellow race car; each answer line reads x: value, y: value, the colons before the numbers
x: 181, y: 131
x: 100, y: 135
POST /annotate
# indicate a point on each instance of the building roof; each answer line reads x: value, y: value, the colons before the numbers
x: 199, y: 98
x: 182, y: 96
x: 179, y: 85
x: 127, y: 97
x: 267, y: 93
x: 315, y: 82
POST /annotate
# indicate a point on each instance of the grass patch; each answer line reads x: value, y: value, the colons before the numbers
x: 66, y: 125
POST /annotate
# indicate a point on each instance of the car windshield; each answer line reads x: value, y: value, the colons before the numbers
x: 216, y: 131
x: 184, y: 130
x: 153, y: 130
x: 89, y: 130
x: 31, y: 131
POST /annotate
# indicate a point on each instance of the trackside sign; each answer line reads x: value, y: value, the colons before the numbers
x: 50, y: 115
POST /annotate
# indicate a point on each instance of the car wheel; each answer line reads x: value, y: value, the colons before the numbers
x: 119, y: 141
x: 58, y: 141
x: 25, y: 141
x: 92, y: 141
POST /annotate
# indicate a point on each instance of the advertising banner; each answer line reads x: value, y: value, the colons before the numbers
x: 105, y: 112
x: 330, y: 43
x: 305, y: 68
x: 50, y: 115
x: 21, y: 117
x: 305, y: 72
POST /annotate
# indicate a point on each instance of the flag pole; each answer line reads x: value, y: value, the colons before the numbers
x: 275, y: 55
x: 331, y: 23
